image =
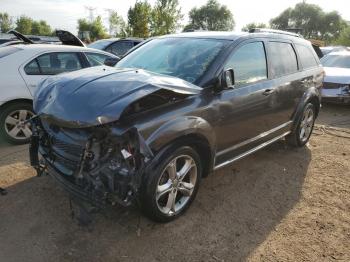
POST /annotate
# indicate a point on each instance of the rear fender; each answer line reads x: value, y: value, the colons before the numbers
x: 311, y: 95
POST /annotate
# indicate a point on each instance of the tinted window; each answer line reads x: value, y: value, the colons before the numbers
x: 100, y: 44
x: 306, y: 56
x: 55, y: 63
x: 283, y: 59
x: 248, y: 63
x: 32, y: 68
x: 96, y: 59
x: 185, y: 58
x: 120, y: 48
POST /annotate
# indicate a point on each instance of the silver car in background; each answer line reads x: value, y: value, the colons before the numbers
x: 336, y: 85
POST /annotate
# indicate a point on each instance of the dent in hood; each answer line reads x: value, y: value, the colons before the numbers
x: 99, y: 95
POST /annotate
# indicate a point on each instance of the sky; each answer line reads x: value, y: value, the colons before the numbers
x: 63, y: 14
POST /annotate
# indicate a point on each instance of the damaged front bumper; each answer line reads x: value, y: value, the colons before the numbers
x: 336, y: 93
x: 100, y: 166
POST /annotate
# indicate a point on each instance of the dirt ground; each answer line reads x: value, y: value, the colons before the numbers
x: 280, y: 204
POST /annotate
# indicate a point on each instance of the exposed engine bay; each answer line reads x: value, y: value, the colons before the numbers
x: 103, y: 166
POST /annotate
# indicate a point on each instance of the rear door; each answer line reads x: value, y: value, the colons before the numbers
x: 285, y: 80
x: 48, y: 64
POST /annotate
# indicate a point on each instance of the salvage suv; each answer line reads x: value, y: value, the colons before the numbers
x: 173, y: 110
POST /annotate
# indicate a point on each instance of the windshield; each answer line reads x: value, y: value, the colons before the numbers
x: 100, y: 44
x: 185, y: 58
x: 342, y: 61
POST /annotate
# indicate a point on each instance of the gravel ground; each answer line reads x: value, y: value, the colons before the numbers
x: 280, y: 204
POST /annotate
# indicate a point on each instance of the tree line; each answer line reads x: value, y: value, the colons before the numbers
x: 165, y: 16
x: 24, y: 25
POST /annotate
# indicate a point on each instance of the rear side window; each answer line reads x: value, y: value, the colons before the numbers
x: 8, y: 50
x: 53, y: 63
x: 120, y: 48
x: 307, y: 59
x: 248, y: 63
x: 283, y: 59
x: 96, y: 59
x: 32, y: 68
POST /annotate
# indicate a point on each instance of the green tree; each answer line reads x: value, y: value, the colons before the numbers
x: 24, y: 25
x: 314, y: 22
x: 41, y: 28
x: 166, y: 16
x: 6, y: 22
x: 344, y: 37
x: 253, y: 25
x: 211, y: 16
x: 117, y: 25
x: 95, y: 28
x: 139, y: 18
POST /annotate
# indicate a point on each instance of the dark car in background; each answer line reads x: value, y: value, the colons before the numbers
x: 116, y: 46
x: 336, y: 86
x: 171, y: 112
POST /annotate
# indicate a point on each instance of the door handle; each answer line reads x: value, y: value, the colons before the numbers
x: 268, y: 92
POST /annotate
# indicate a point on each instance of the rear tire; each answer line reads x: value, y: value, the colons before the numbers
x: 12, y: 129
x: 301, y: 135
x: 171, y: 185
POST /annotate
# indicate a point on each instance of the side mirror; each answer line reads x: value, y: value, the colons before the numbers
x: 111, y: 61
x: 228, y: 79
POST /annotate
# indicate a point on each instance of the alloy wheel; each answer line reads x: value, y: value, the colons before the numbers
x: 176, y: 184
x: 306, y: 124
x: 15, y: 126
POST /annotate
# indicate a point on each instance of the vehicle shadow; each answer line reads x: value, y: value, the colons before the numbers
x: 234, y: 212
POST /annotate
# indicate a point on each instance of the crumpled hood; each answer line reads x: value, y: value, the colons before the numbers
x: 99, y: 95
x: 337, y: 75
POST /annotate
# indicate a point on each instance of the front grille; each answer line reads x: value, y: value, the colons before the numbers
x: 72, y: 149
x: 66, y: 163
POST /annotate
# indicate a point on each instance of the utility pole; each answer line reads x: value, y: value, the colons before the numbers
x: 91, y: 12
x: 110, y: 11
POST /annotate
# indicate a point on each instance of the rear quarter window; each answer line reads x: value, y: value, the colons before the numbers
x: 283, y: 59
x: 306, y: 56
x: 8, y: 50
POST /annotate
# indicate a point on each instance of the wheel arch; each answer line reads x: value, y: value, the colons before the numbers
x: 190, y: 131
x: 311, y: 96
x: 16, y: 101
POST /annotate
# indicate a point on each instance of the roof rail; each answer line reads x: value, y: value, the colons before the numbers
x: 274, y: 31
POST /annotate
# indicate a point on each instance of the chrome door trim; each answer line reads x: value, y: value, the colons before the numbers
x: 246, y: 142
x: 251, y: 151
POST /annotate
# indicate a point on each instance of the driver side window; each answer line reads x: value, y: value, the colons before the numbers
x: 248, y: 63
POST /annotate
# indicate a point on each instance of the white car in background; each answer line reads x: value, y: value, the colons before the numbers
x: 24, y: 66
x: 336, y: 83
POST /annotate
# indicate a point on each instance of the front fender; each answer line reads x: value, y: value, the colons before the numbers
x: 182, y: 126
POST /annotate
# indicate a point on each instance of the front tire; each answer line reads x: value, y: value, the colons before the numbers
x: 301, y: 135
x: 170, y: 187
x: 12, y: 128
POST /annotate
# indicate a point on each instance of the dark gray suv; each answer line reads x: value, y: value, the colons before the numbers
x: 172, y: 111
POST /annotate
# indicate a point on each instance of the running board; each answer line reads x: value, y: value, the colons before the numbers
x: 251, y: 151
